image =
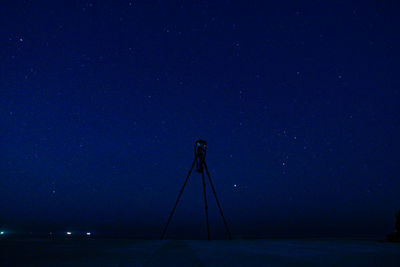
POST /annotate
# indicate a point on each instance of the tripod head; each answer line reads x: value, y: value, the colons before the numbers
x: 200, y: 149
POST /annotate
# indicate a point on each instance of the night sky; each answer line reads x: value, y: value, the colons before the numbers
x: 101, y: 102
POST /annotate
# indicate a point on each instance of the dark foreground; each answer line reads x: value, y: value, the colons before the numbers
x: 103, y: 252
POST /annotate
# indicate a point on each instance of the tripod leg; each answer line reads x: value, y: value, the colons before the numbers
x: 205, y: 204
x: 177, y: 200
x: 219, y: 206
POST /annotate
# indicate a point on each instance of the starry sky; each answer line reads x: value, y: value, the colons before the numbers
x: 101, y: 102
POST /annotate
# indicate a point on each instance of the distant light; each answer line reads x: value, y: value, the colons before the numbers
x: 2, y: 233
x: 69, y: 233
x: 88, y: 233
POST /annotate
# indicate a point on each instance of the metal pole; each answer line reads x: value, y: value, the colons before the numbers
x: 205, y: 204
x: 177, y: 200
x: 219, y: 206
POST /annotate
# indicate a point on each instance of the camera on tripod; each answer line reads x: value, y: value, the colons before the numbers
x: 200, y: 149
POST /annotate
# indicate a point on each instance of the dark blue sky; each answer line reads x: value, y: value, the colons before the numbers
x: 101, y: 101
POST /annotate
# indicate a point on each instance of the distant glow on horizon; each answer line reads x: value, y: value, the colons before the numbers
x: 69, y: 233
x: 88, y: 233
x: 2, y: 233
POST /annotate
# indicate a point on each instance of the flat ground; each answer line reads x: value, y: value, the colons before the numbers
x: 108, y: 252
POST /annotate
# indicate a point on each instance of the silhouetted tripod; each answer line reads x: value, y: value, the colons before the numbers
x: 200, y: 148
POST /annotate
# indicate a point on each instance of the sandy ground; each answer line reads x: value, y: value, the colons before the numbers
x: 103, y: 252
